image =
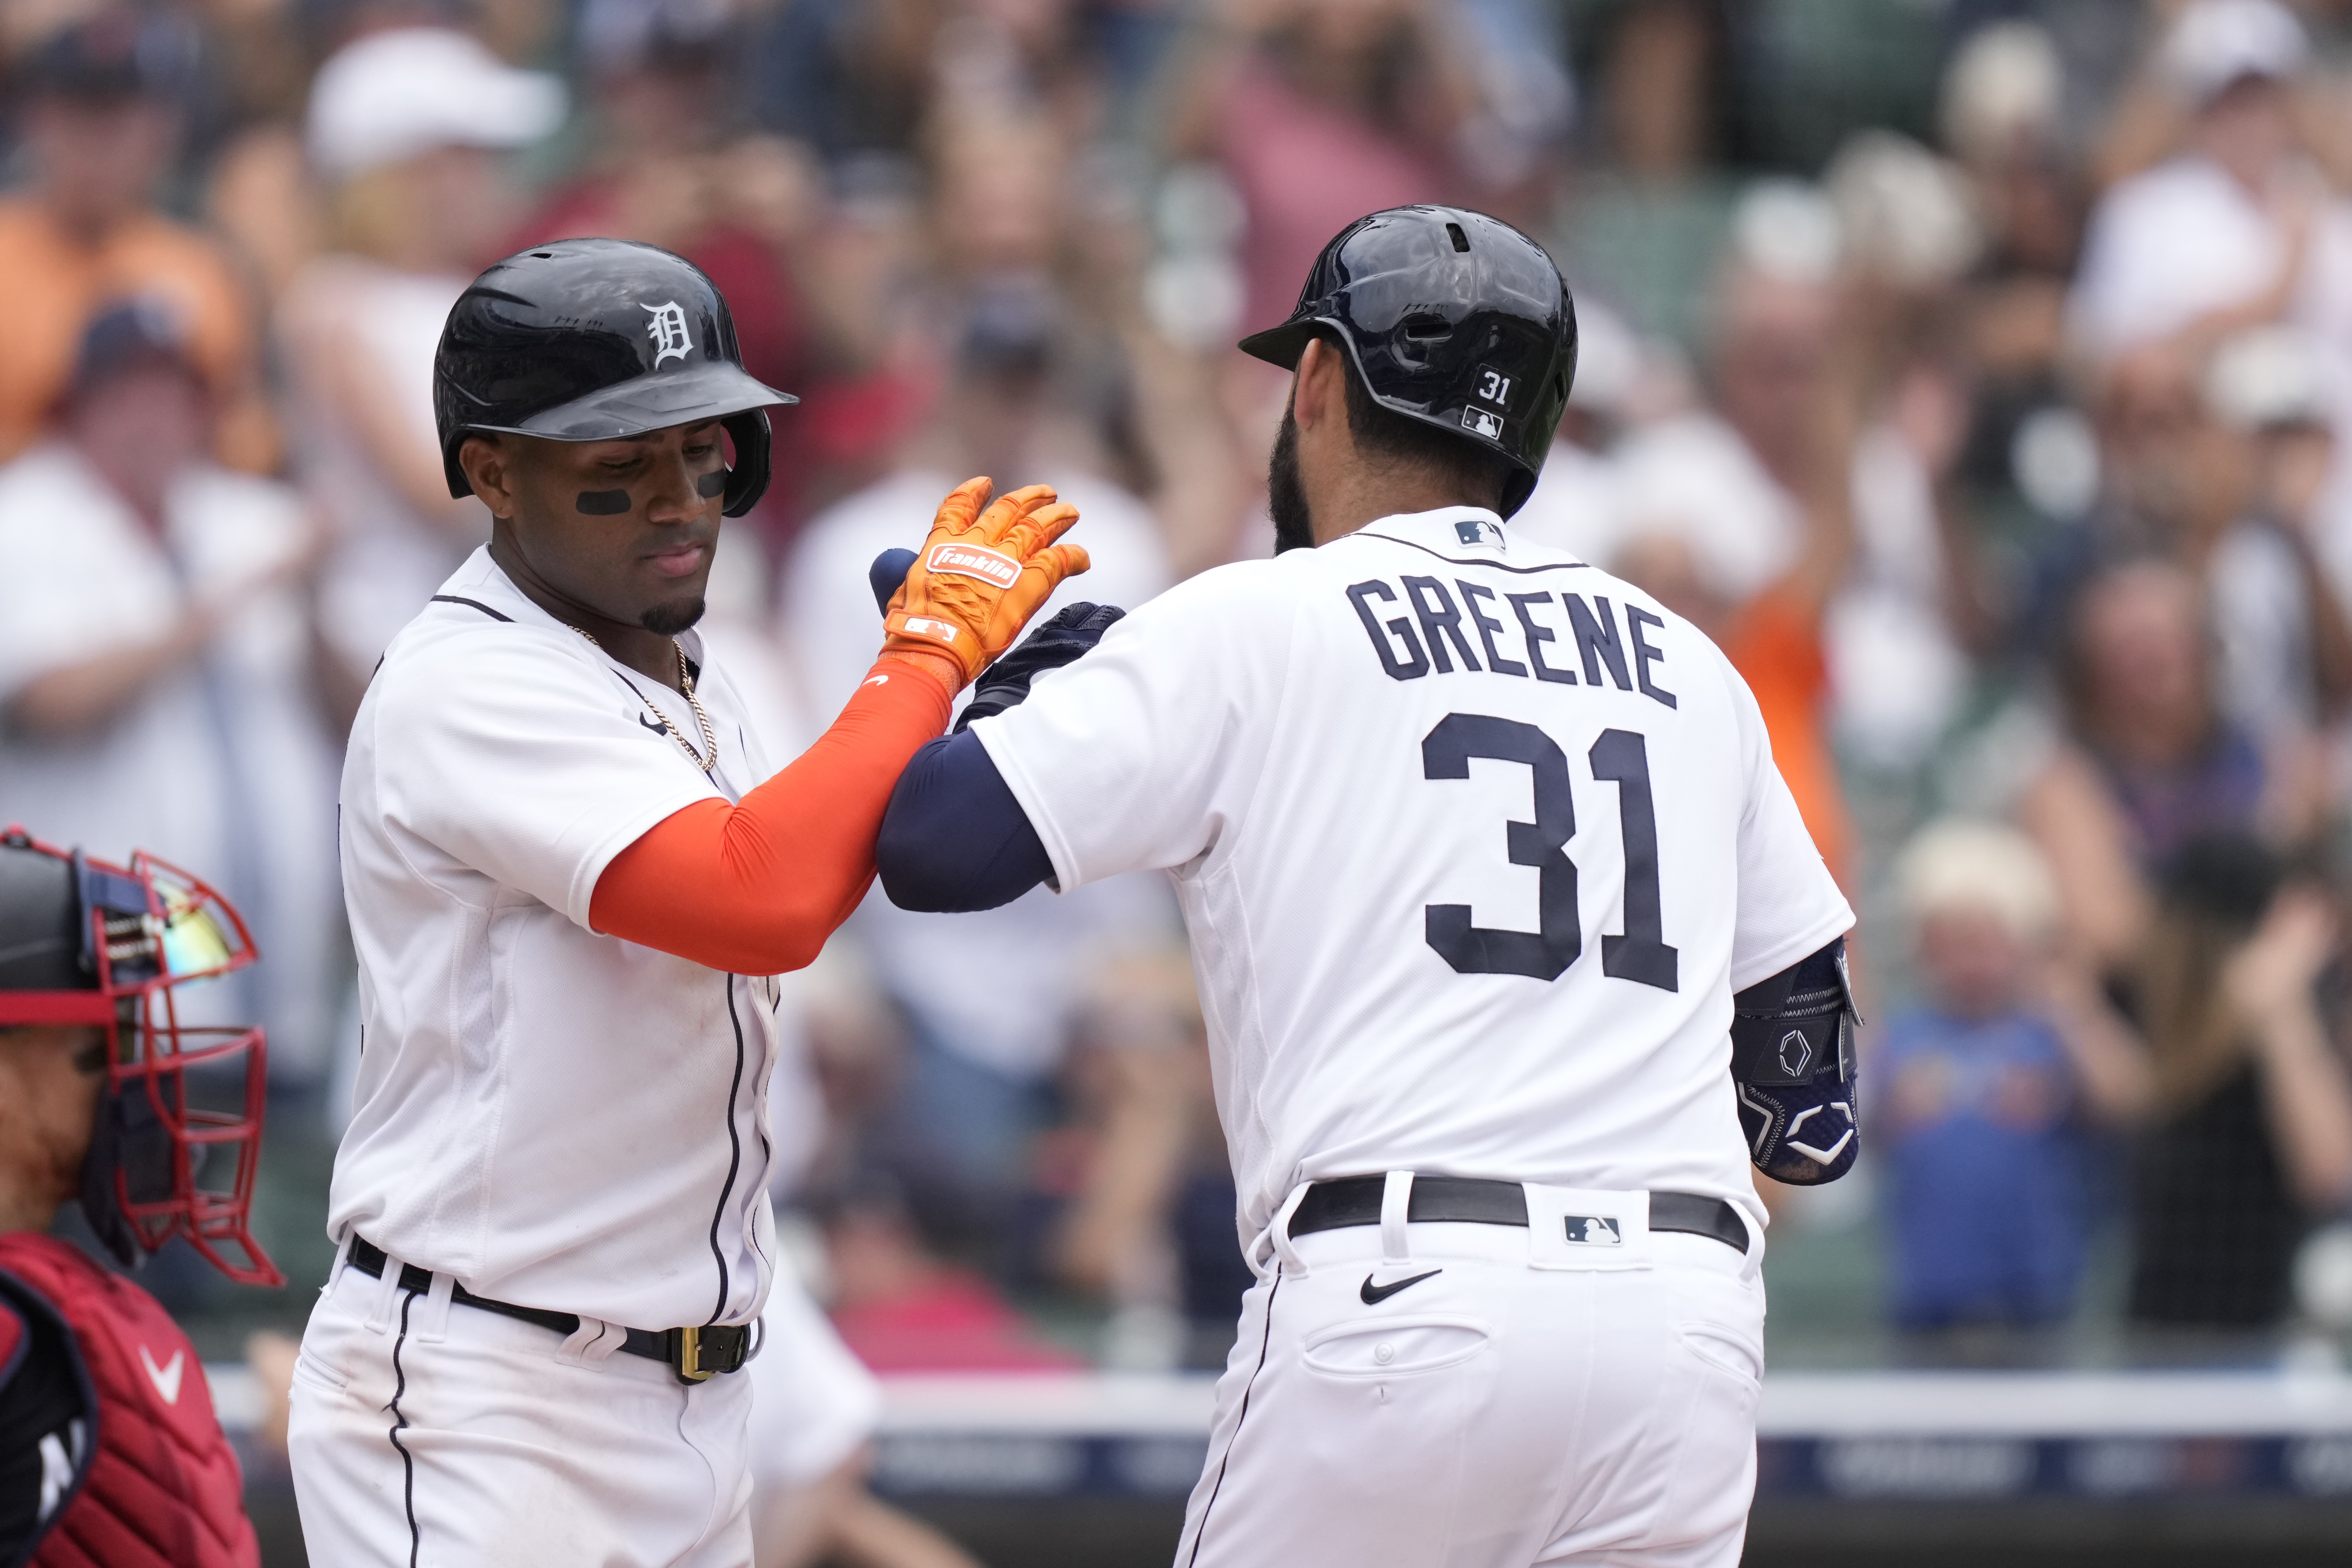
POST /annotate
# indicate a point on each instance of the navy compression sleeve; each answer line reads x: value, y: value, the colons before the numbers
x: 954, y: 839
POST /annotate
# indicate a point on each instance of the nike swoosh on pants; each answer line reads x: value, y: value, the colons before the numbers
x: 1373, y: 1294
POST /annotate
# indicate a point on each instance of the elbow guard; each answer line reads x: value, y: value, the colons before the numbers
x: 1792, y: 1065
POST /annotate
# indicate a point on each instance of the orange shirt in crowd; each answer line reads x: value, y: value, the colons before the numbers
x: 54, y: 283
x: 1776, y: 647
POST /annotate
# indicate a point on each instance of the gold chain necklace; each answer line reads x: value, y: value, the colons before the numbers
x: 685, y: 684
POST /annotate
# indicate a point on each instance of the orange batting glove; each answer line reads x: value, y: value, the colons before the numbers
x: 981, y: 575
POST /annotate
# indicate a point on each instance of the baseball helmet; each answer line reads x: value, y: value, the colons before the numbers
x: 596, y: 340
x: 178, y: 1133
x: 1453, y: 317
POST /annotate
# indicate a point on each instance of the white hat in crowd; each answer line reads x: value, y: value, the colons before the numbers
x: 1905, y: 213
x: 2265, y: 378
x: 2005, y: 85
x: 1966, y: 864
x: 392, y: 95
x: 2215, y: 42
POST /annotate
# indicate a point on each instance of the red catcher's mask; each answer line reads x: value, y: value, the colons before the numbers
x: 179, y: 1127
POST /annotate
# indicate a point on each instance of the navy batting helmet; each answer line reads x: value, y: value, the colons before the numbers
x: 1453, y: 317
x: 595, y: 340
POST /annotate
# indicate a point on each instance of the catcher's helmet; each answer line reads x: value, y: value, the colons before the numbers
x: 179, y: 1129
x: 592, y: 339
x: 1453, y: 317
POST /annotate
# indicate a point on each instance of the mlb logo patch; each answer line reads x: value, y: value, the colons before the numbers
x: 1478, y: 422
x: 972, y: 561
x: 1593, y: 1230
x: 1478, y: 533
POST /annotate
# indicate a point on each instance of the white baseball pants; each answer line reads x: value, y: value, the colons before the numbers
x: 428, y: 1434
x: 1590, y: 1407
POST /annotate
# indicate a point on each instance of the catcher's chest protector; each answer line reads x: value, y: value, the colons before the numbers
x: 157, y: 1485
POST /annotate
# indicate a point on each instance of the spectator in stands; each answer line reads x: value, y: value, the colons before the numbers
x: 978, y: 1082
x: 672, y: 167
x: 1644, y: 226
x: 848, y: 77
x: 2251, y: 476
x: 1992, y: 1084
x: 2252, y: 1137
x: 1741, y: 517
x: 813, y: 1411
x: 2213, y: 239
x: 1321, y: 111
x: 101, y: 105
x: 2151, y: 762
x: 2004, y: 106
x: 405, y: 126
x: 153, y: 657
x: 1148, y: 1226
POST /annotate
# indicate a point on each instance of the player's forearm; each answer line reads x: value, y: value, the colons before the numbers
x: 756, y: 888
x: 955, y: 839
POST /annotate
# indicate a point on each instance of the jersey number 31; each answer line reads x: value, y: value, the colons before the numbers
x: 1619, y: 756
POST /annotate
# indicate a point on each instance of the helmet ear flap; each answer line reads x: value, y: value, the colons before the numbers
x: 460, y: 487
x: 747, y: 481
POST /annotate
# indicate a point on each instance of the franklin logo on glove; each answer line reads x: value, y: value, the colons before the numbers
x: 968, y: 561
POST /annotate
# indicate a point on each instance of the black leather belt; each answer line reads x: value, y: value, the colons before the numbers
x: 695, y: 1354
x: 1466, y: 1200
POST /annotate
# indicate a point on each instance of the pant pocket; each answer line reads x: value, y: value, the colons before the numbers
x: 1395, y: 1347
x: 309, y: 1369
x: 1727, y: 1350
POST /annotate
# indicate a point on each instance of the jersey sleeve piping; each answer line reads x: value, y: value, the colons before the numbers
x: 628, y: 830
x: 1772, y: 960
x: 1067, y: 872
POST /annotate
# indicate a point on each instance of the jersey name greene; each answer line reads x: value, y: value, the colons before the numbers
x: 1542, y: 626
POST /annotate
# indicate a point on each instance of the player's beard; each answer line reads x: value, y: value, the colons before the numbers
x: 1286, y: 498
x: 668, y: 620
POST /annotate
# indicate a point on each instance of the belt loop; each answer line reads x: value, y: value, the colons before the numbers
x: 342, y: 1261
x: 1276, y: 1236
x: 591, y: 1344
x: 387, y: 1285
x: 434, y: 1328
x: 1751, y: 1262
x: 1396, y: 1206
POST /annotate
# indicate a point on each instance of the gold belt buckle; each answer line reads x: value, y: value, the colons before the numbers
x: 690, y: 1356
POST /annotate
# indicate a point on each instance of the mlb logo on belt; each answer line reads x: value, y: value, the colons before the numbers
x: 1593, y: 1230
x: 971, y: 560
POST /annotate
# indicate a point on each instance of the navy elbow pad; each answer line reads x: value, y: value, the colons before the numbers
x: 1792, y: 1065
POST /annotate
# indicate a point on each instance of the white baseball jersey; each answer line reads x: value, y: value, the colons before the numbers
x: 558, y: 1119
x: 1475, y: 842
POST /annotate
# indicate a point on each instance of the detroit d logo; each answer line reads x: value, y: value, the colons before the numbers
x: 668, y: 329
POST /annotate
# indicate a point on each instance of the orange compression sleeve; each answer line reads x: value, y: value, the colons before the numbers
x: 756, y: 888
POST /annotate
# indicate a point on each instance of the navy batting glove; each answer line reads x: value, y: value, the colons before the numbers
x: 1005, y: 683
x: 887, y: 575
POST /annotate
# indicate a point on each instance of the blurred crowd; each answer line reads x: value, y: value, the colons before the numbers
x: 1973, y: 370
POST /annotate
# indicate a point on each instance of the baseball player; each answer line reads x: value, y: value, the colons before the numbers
x: 109, y: 1451
x: 1513, y: 949
x: 571, y: 881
